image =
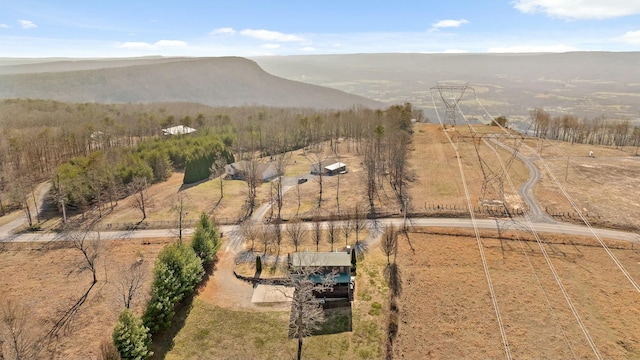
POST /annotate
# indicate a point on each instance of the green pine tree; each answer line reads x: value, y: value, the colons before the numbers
x: 205, y: 240
x: 131, y: 337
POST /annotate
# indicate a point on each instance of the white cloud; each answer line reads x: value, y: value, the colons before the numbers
x: 270, y: 35
x: 579, y: 9
x: 308, y: 49
x: 4, y: 26
x: 157, y: 45
x: 631, y: 37
x: 271, y: 46
x: 449, y: 24
x: 27, y: 24
x: 532, y: 49
x: 222, y: 31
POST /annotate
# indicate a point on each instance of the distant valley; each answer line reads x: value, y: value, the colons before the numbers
x: 587, y: 84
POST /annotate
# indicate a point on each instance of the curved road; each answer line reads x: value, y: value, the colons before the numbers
x: 526, y: 191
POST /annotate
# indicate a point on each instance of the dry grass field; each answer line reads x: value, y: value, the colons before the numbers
x: 47, y: 279
x: 604, y: 186
x: 436, y: 172
x: 446, y: 311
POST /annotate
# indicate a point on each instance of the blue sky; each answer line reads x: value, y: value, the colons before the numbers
x: 70, y: 28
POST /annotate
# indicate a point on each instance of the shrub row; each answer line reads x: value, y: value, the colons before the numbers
x: 178, y: 269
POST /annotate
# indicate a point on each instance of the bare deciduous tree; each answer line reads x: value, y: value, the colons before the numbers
x: 281, y: 162
x: 317, y: 160
x: 248, y: 230
x: 346, y: 228
x: 138, y: 188
x: 180, y: 207
x: 359, y: 222
x: 307, y: 314
x: 317, y: 232
x: 389, y: 242
x: 130, y: 281
x: 296, y: 232
x: 332, y: 232
x: 16, y: 332
x: 277, y: 234
x: 253, y: 178
x: 370, y: 173
x: 88, y: 243
x: 266, y: 235
x: 217, y: 170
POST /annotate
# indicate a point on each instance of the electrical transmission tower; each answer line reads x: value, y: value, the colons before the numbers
x: 492, y: 192
x: 492, y: 198
x: 451, y: 95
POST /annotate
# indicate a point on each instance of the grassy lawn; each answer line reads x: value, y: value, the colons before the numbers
x: 213, y: 332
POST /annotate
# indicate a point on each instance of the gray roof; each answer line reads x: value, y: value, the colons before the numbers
x: 341, y: 258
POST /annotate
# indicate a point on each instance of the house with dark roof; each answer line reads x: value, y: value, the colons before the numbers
x: 326, y: 263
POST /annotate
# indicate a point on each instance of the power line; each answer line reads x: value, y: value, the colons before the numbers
x: 485, y: 266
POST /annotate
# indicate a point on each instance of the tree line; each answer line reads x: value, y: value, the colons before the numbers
x: 92, y: 152
x: 178, y: 269
x: 596, y: 131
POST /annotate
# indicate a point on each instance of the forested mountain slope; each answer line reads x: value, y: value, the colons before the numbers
x: 227, y: 81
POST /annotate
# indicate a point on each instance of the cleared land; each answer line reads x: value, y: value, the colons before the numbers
x: 444, y: 307
x: 47, y: 279
x: 446, y: 311
x: 602, y: 186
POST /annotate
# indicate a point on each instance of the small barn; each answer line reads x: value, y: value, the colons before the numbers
x: 333, y: 168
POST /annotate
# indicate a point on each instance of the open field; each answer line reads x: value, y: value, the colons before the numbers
x: 47, y: 279
x: 436, y: 172
x: 453, y: 317
x: 600, y: 186
x: 445, y: 310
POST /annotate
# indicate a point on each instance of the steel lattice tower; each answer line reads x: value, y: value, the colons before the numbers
x: 451, y: 95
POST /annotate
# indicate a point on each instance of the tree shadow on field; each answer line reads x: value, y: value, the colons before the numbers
x: 163, y: 340
x: 393, y: 276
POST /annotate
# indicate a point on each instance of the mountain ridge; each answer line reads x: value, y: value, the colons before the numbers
x: 221, y: 81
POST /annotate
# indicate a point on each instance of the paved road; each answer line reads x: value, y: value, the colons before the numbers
x: 535, y: 211
x: 230, y: 230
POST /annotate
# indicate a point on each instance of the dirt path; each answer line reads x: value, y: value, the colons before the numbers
x: 224, y: 289
x: 9, y: 228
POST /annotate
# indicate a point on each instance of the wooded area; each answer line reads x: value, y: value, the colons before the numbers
x: 95, y: 154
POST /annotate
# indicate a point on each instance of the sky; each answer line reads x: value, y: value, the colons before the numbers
x: 127, y: 28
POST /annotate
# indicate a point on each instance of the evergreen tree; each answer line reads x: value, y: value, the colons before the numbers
x: 131, y: 337
x: 205, y: 241
x: 177, y: 271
